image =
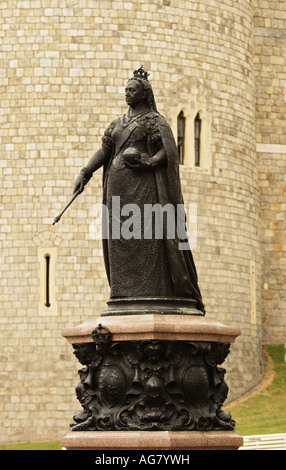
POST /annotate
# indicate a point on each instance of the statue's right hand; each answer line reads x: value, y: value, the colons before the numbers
x: 79, y: 183
x: 83, y: 178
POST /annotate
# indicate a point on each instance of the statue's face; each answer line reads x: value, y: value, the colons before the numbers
x: 134, y: 93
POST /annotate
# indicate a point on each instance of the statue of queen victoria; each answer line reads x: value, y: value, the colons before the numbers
x: 141, y: 167
x: 163, y: 377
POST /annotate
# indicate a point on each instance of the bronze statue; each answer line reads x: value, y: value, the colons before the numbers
x: 141, y: 170
x: 147, y: 382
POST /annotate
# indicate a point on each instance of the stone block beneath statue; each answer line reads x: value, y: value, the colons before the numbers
x: 152, y: 440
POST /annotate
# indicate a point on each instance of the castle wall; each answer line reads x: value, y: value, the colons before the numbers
x: 270, y: 61
x: 62, y: 78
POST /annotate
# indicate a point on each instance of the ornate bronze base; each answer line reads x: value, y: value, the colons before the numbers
x: 151, y: 385
x: 151, y: 373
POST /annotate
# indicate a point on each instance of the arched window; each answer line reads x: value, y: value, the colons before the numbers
x: 198, y: 129
x: 181, y: 124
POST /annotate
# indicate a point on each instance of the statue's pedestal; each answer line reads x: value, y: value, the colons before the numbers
x: 151, y: 382
x: 152, y: 440
x: 154, y: 326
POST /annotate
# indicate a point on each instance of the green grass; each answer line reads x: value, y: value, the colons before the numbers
x: 264, y: 413
x: 52, y: 445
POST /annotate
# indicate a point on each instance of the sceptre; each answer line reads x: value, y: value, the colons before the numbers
x: 57, y: 219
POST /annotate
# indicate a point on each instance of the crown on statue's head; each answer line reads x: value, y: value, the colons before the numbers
x: 141, y: 73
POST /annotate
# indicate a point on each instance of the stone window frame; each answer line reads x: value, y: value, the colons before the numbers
x: 47, y: 245
x: 51, y: 253
x: 190, y: 112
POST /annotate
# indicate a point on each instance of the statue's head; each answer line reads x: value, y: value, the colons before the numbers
x: 140, y: 77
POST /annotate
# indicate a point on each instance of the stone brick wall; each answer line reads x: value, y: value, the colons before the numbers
x: 272, y: 170
x: 62, y: 75
x: 270, y: 62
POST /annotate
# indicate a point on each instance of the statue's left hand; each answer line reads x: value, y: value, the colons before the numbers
x: 139, y: 164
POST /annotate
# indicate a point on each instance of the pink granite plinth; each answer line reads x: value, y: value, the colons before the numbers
x: 154, y: 326
x: 152, y: 440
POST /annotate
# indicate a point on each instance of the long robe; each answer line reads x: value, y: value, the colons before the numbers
x: 136, y: 265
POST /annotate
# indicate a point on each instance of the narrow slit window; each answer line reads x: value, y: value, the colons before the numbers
x: 47, y: 257
x: 48, y: 261
x: 198, y: 130
x: 181, y: 124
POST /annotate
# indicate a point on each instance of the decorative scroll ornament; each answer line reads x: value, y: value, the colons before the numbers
x: 151, y: 385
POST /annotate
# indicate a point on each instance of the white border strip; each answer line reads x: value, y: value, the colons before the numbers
x: 271, y: 148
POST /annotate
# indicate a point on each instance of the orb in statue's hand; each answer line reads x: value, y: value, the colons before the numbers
x: 131, y: 155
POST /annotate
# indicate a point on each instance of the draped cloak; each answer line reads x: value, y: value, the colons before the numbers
x: 121, y: 134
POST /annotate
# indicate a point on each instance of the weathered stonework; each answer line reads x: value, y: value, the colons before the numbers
x: 270, y: 61
x: 62, y: 69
